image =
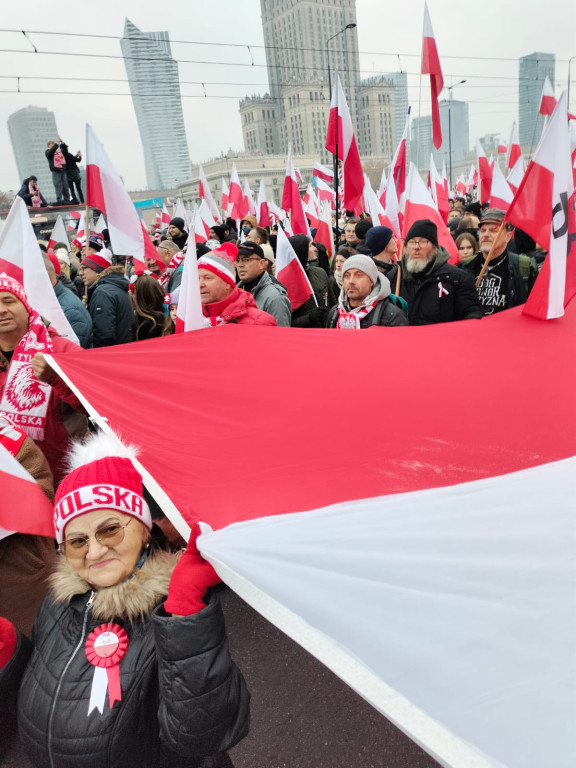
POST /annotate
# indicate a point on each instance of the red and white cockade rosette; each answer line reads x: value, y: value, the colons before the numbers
x: 105, y: 649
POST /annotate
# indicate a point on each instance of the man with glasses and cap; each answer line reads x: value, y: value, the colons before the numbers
x: 270, y: 296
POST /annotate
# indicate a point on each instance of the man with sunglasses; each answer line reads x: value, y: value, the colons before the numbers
x: 436, y: 291
x: 270, y: 295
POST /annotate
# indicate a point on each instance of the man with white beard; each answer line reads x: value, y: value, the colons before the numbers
x: 436, y: 291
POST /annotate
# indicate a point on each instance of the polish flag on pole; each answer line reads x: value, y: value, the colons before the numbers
x: 249, y: 204
x: 382, y: 188
x: 392, y: 207
x: 472, y: 178
x: 21, y: 258
x: 500, y: 194
x: 100, y: 225
x: 36, y: 513
x: 419, y: 205
x: 399, y: 160
x: 514, y: 149
x: 324, y: 232
x: 165, y: 217
x: 235, y: 195
x: 106, y: 192
x: 189, y: 316
x: 321, y: 172
x: 431, y: 66
x: 502, y: 149
x: 485, y: 173
x: 311, y: 207
x: 181, y: 213
x: 340, y: 141
x: 205, y: 193
x: 325, y: 193
x: 290, y: 272
x: 547, y: 100
x: 291, y: 200
x: 59, y: 234
x: 374, y: 206
x: 203, y: 222
x: 438, y: 190
x: 543, y: 207
x: 516, y: 175
x: 299, y: 178
x: 263, y: 212
x: 225, y: 199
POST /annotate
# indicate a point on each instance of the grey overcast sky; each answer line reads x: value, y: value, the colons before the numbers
x: 480, y: 42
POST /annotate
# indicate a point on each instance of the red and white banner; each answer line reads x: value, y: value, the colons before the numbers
x: 290, y: 272
x: 543, y: 207
x: 291, y: 200
x: 340, y: 141
x: 189, y: 316
x: 431, y: 66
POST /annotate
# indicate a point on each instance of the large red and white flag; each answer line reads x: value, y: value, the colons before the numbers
x: 205, y: 193
x: 340, y: 141
x: 59, y: 234
x: 290, y: 272
x: 485, y: 174
x: 439, y: 190
x: 501, y: 194
x: 543, y: 207
x: 514, y: 149
x: 263, y: 214
x: 291, y: 200
x: 21, y: 258
x: 399, y: 160
x: 419, y: 205
x: 106, y: 192
x: 431, y: 66
x: 516, y: 175
x: 235, y: 195
x: 324, y: 231
x: 322, y: 172
x: 547, y: 100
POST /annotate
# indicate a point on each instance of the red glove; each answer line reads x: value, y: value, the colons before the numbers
x: 8, y: 640
x: 190, y: 580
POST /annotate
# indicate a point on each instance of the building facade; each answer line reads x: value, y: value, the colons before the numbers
x: 155, y: 89
x: 533, y: 70
x: 30, y: 131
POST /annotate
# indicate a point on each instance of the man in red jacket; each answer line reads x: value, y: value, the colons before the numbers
x: 222, y: 301
x: 32, y: 396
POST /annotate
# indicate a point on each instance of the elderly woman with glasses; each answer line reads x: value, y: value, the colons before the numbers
x: 128, y: 664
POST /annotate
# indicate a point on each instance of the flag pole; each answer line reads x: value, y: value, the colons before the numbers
x: 490, y: 255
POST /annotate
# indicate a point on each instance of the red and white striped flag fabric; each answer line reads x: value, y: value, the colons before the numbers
x: 374, y: 206
x: 501, y: 194
x: 543, y: 207
x: 106, y: 192
x: 392, y: 207
x: 514, y: 149
x: 340, y: 141
x: 431, y: 66
x: 21, y: 258
x: 189, y: 316
x: 203, y: 222
x: 324, y: 231
x: 291, y: 200
x: 225, y: 199
x: 325, y: 193
x: 438, y: 190
x: 547, y: 100
x: 263, y: 213
x: 311, y: 207
x: 472, y: 178
x: 59, y: 234
x: 249, y: 204
x: 100, y: 225
x: 381, y: 193
x: 165, y: 217
x: 419, y: 205
x: 290, y: 272
x: 399, y: 160
x: 299, y: 178
x: 485, y: 174
x: 205, y: 193
x: 516, y: 175
x: 236, y: 196
x: 322, y: 172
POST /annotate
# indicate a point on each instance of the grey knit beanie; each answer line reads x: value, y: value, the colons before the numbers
x: 364, y: 264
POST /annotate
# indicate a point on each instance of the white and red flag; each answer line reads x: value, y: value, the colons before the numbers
x: 547, y: 100
x: 263, y: 213
x: 205, y: 193
x: 399, y: 160
x: 381, y: 193
x: 59, y: 234
x: 340, y: 141
x: 225, y: 199
x: 311, y: 207
x: 181, y: 212
x: 438, y: 190
x: 419, y: 205
x: 235, y: 196
x: 290, y: 272
x: 485, y: 174
x: 392, y: 207
x: 291, y: 200
x: 325, y: 193
x: 189, y: 316
x: 100, y: 225
x: 500, y: 193
x: 431, y: 66
x: 106, y: 192
x: 472, y: 178
x: 543, y: 207
x: 21, y: 258
x: 75, y: 217
x: 514, y: 149
x: 374, y: 206
x: 322, y: 172
x: 502, y: 149
x: 203, y: 222
x: 165, y: 217
x: 249, y: 204
x: 324, y: 231
x: 516, y: 175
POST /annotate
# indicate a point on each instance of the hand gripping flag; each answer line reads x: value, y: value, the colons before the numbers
x: 340, y: 141
x: 431, y: 66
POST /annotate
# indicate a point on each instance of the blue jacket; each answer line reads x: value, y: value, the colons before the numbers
x: 76, y: 314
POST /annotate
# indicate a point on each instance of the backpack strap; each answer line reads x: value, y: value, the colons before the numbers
x: 399, y: 302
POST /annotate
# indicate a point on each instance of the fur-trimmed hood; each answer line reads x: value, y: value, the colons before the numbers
x: 113, y: 269
x: 132, y: 598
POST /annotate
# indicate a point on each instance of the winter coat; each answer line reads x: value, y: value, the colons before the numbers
x: 66, y: 416
x: 51, y: 151
x: 183, y: 701
x: 302, y: 316
x: 272, y: 297
x: 389, y: 315
x: 72, y: 170
x: 24, y: 193
x: 110, y: 308
x: 439, y: 294
x: 76, y: 314
x: 69, y: 284
x: 239, y: 307
x: 518, y: 288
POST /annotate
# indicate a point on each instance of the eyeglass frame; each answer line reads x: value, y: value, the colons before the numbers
x: 421, y: 243
x: 86, y: 545
x: 248, y: 259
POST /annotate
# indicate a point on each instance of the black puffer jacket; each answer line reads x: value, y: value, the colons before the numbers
x: 109, y: 305
x: 183, y: 700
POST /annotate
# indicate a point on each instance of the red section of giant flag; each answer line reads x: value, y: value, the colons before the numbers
x: 431, y: 66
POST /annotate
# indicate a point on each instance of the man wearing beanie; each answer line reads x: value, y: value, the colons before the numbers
x: 108, y: 300
x: 223, y: 302
x: 361, y: 230
x: 510, y: 276
x: 177, y: 232
x: 436, y: 291
x: 364, y: 298
x: 383, y: 248
x: 270, y: 296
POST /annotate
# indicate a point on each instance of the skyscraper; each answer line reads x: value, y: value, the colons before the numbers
x: 30, y: 130
x: 155, y: 89
x: 533, y: 70
x: 455, y: 131
x: 400, y: 82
